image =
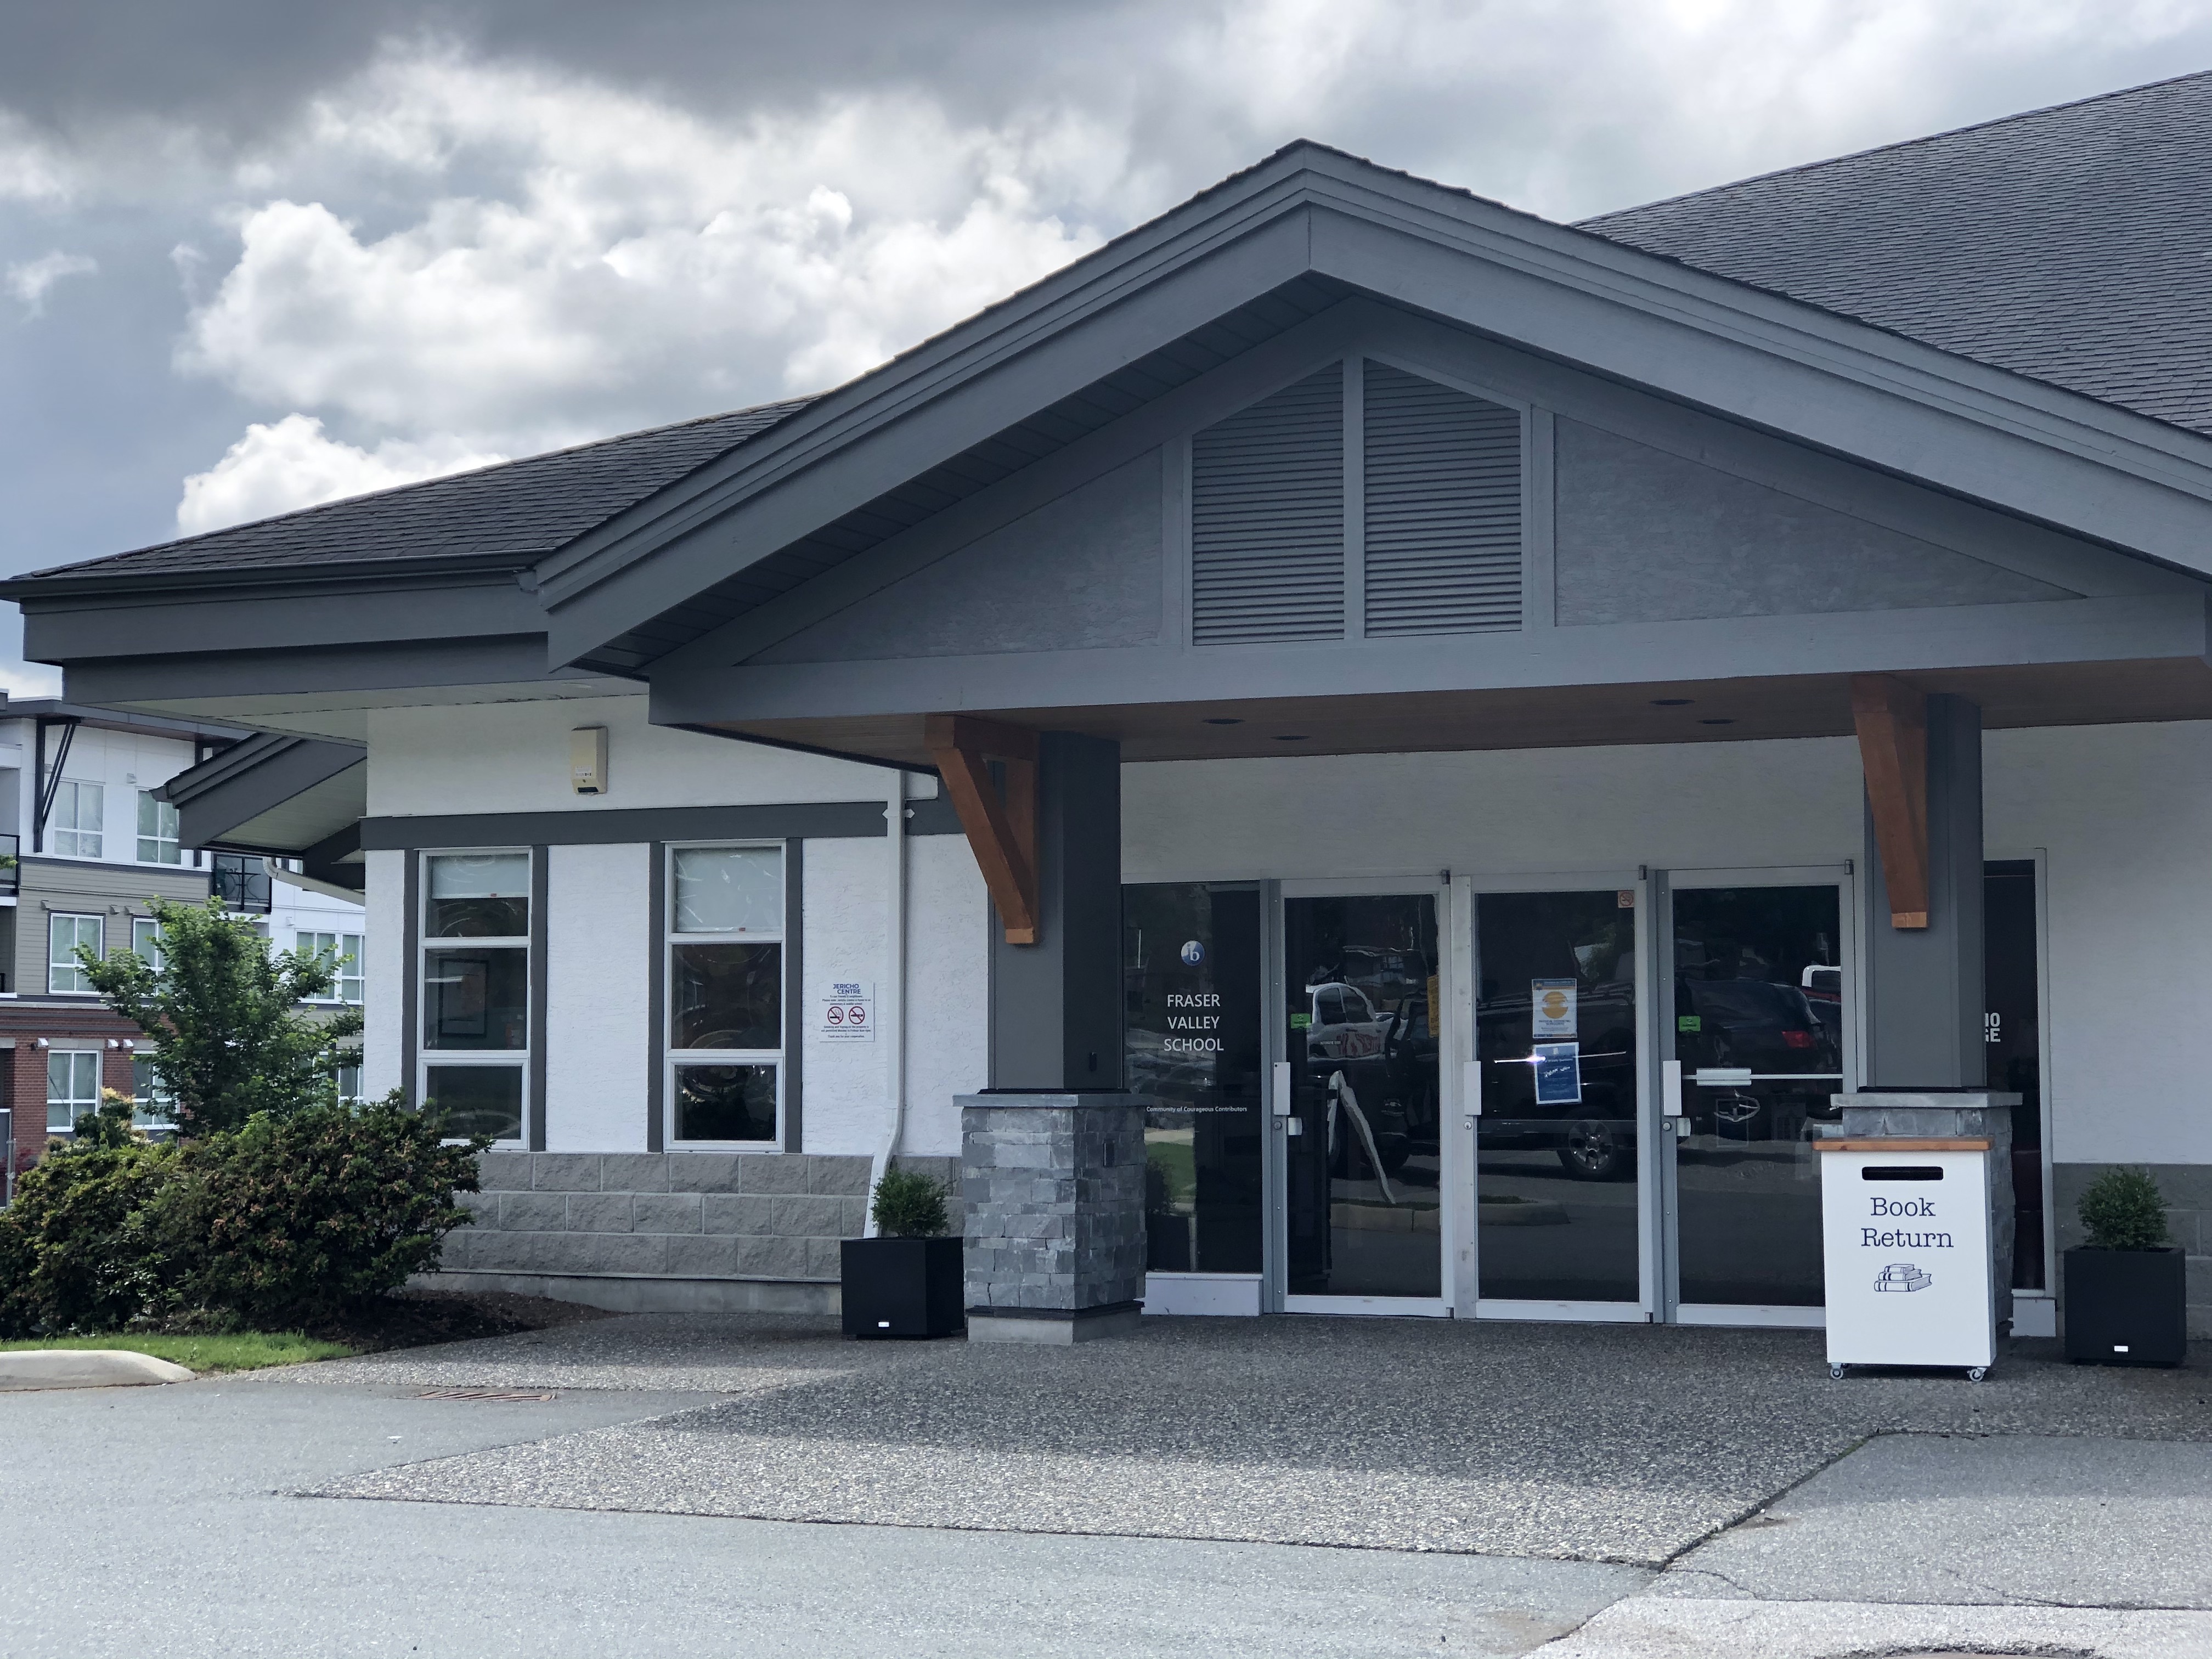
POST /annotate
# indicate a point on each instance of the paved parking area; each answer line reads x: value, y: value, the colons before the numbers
x: 1578, y: 1443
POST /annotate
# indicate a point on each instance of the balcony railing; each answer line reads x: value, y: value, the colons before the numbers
x: 240, y: 880
x: 12, y: 868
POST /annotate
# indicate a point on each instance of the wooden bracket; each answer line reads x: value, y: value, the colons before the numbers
x: 1892, y: 718
x: 1001, y: 829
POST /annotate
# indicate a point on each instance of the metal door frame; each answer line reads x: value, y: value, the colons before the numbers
x: 1467, y: 1252
x: 1672, y: 1309
x: 1277, y: 1298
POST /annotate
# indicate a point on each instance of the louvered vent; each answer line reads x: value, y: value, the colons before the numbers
x: 1444, y: 509
x: 1267, y: 519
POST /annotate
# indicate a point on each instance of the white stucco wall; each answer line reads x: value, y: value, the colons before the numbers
x: 513, y: 757
x: 948, y: 1000
x: 386, y: 969
x: 598, y: 966
x: 847, y: 938
x: 2124, y: 815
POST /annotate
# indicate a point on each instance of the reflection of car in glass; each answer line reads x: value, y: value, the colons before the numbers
x: 1388, y: 1060
x: 1758, y: 1026
x: 1594, y: 1138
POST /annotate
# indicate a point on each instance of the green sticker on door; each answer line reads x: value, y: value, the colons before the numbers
x: 1300, y: 1022
x: 1689, y: 1023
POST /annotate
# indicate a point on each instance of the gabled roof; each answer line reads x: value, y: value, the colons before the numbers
x: 2072, y: 244
x: 516, y: 512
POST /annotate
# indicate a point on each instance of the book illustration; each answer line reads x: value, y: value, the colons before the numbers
x: 1902, y: 1276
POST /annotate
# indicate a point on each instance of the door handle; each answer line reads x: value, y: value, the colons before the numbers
x: 1670, y: 1088
x: 1282, y: 1088
x: 1470, y: 1091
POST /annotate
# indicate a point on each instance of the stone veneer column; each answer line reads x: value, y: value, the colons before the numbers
x: 1055, y: 1187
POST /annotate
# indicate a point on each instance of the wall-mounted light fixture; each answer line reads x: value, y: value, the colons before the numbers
x: 587, y: 760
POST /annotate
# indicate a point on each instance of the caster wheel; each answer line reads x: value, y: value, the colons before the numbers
x: 1835, y: 1373
x: 1977, y: 1373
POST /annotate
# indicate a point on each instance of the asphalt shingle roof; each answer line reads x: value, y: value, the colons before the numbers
x: 520, y: 510
x: 2073, y: 244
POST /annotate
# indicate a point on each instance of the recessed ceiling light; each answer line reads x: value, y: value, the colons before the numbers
x: 1669, y: 703
x: 1290, y: 737
x: 1223, y: 720
x: 1718, y: 722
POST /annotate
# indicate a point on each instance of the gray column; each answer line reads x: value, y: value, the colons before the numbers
x: 1923, y: 985
x: 1056, y: 1005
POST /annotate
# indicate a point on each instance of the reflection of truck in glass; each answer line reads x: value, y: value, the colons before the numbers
x: 1594, y: 1138
x: 1387, y: 1056
x: 1757, y: 1026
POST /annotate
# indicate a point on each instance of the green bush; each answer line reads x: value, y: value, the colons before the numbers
x: 2123, y: 1210
x: 81, y: 1246
x: 908, y: 1205
x: 287, y: 1221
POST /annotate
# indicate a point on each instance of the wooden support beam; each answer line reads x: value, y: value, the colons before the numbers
x: 1001, y: 829
x: 1892, y: 718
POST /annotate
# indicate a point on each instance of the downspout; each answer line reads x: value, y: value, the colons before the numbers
x: 890, y: 999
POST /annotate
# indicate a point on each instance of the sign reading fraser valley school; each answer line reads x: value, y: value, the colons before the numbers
x: 1193, y: 1023
x: 848, y: 1012
x: 1906, y: 1234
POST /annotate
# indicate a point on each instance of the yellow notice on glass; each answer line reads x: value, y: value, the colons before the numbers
x: 1553, y: 1002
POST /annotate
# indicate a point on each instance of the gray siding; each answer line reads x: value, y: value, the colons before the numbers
x: 114, y: 890
x: 1643, y: 536
x: 1081, y: 571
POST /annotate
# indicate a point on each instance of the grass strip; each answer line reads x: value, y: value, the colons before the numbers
x: 237, y: 1351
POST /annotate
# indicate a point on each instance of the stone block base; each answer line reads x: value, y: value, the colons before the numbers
x: 1054, y: 1330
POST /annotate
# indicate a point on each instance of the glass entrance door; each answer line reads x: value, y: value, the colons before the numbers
x: 1557, y: 1208
x: 1364, y: 1206
x: 1759, y: 1025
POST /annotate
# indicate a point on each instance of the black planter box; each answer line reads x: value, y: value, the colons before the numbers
x: 901, y: 1286
x: 2126, y: 1307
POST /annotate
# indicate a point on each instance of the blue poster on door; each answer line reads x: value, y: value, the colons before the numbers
x: 1559, y: 1073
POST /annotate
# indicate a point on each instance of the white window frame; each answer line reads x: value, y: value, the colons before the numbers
x: 78, y: 1108
x: 674, y: 1059
x: 164, y: 817
x: 426, y: 947
x: 55, y: 966
x: 145, y: 941
x: 338, y: 946
x: 66, y: 824
x: 142, y: 1113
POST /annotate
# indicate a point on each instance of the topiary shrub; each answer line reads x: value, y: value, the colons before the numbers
x: 908, y: 1205
x: 299, y: 1220
x: 81, y: 1247
x: 2123, y: 1210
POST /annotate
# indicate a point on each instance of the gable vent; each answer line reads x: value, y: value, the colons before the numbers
x: 1267, y: 519
x: 1444, y: 509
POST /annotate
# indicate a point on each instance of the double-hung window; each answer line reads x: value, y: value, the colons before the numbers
x: 158, y: 841
x: 65, y: 974
x: 72, y: 1087
x: 345, y: 950
x: 76, y: 820
x: 145, y: 941
x: 150, y: 1102
x: 726, y: 996
x: 476, y: 990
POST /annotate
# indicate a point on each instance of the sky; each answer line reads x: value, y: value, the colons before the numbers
x: 256, y: 255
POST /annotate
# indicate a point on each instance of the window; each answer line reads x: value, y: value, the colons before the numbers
x: 149, y: 1100
x: 476, y: 989
x: 65, y: 974
x: 346, y: 947
x: 349, y: 1085
x: 72, y: 1088
x: 157, y: 832
x: 77, y: 818
x: 726, y: 995
x: 146, y: 940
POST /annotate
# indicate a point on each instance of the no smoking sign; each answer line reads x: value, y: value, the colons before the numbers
x: 848, y: 1012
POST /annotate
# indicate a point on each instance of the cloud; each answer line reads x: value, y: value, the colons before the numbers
x: 582, y: 254
x: 29, y: 281
x: 32, y: 169
x: 291, y: 464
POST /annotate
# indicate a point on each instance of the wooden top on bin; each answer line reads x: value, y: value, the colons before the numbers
x: 1865, y: 1145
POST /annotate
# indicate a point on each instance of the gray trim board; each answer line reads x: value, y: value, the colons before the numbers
x: 516, y: 660
x: 540, y: 965
x: 836, y: 820
x: 794, y: 1000
x: 410, y: 982
x: 250, y: 779
x: 656, y: 1139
